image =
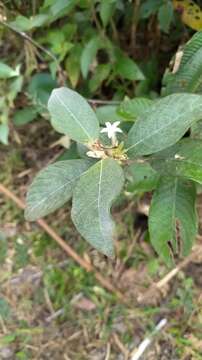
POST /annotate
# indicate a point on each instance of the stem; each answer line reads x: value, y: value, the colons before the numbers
x: 114, y: 141
x: 134, y: 24
x: 103, y: 102
x: 97, y: 23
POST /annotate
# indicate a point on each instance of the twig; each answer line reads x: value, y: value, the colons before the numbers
x: 4, y: 329
x: 168, y: 277
x: 48, y: 302
x: 97, y: 23
x: 28, y: 38
x: 25, y: 36
x: 134, y: 24
x: 108, y: 352
x: 55, y: 315
x: 103, y: 102
x: 137, y: 354
x: 121, y: 346
x: 67, y: 248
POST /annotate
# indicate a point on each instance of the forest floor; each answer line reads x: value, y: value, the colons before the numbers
x: 51, y: 308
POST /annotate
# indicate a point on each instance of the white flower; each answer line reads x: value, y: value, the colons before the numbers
x: 111, y: 129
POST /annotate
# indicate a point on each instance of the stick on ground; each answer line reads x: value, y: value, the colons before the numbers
x: 67, y: 248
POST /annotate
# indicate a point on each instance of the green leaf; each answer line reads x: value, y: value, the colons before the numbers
x: 52, y: 187
x: 188, y: 76
x: 183, y: 159
x: 24, y: 116
x: 172, y: 218
x: 130, y: 109
x: 23, y: 23
x: 61, y: 7
x: 3, y: 247
x: 92, y: 199
x: 126, y: 67
x: 7, y: 72
x: 106, y: 10
x: 141, y: 178
x: 72, y: 115
x: 191, y: 48
x: 40, y: 88
x: 101, y: 74
x: 149, y: 7
x: 72, y: 65
x: 89, y: 53
x: 107, y: 113
x: 165, y: 16
x: 4, y: 132
x: 164, y: 124
x: 7, y: 339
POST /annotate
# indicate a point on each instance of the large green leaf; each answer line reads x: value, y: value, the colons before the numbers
x: 53, y: 186
x: 164, y: 124
x: 172, y: 218
x: 72, y: 115
x: 183, y: 159
x: 92, y: 199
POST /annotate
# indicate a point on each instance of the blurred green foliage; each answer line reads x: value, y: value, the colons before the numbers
x: 103, y: 48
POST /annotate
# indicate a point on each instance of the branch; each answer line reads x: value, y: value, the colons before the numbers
x: 197, y: 250
x: 103, y: 102
x: 26, y: 37
x: 67, y: 248
x: 137, y: 354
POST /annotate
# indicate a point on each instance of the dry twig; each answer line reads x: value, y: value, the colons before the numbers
x: 67, y: 248
x: 168, y: 277
x: 137, y: 354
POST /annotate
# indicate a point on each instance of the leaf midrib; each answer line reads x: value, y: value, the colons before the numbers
x: 155, y: 132
x: 73, y: 116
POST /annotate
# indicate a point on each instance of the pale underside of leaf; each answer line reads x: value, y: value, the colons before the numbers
x: 72, y: 115
x: 53, y: 186
x: 92, y: 199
